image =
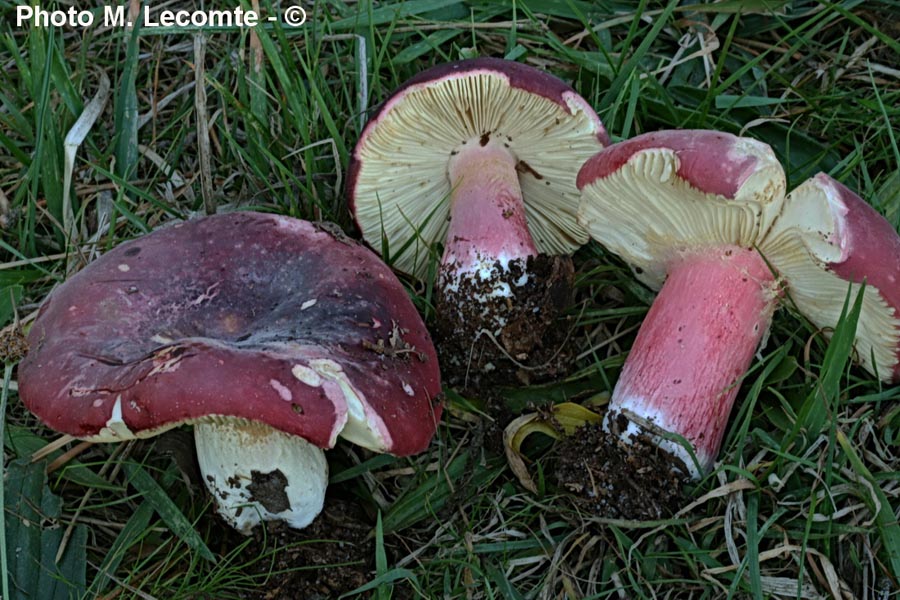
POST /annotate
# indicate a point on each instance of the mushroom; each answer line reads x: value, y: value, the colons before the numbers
x: 478, y: 155
x: 273, y: 336
x: 697, y: 214
x: 828, y: 239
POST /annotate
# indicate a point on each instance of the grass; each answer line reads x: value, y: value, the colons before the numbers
x: 804, y: 501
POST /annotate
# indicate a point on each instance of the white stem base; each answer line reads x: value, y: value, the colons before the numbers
x: 257, y: 473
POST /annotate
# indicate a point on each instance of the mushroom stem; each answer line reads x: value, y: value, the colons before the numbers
x: 496, y: 295
x: 487, y: 214
x: 258, y: 473
x: 696, y: 343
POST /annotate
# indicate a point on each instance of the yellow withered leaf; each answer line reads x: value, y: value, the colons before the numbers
x: 560, y: 419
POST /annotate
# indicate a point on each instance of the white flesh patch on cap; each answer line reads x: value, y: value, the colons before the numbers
x: 116, y: 429
x: 357, y: 422
x: 165, y: 360
x: 805, y: 239
x: 765, y: 187
x: 403, y: 157
x: 282, y: 390
x: 812, y: 218
x: 257, y: 473
x: 294, y: 225
x: 646, y: 214
x: 312, y: 378
x: 364, y: 427
x: 306, y: 375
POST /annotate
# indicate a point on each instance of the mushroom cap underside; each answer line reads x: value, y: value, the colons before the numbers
x: 825, y: 244
x: 658, y: 197
x: 398, y: 183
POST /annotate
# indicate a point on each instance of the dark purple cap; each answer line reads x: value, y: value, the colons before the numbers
x: 246, y: 315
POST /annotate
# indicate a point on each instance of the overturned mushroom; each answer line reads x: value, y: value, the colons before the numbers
x: 828, y: 239
x: 477, y: 155
x: 273, y: 336
x: 697, y: 214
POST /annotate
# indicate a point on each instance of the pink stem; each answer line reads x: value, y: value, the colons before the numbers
x: 695, y: 345
x: 487, y: 214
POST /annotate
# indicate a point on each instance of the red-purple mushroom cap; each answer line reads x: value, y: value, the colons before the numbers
x: 262, y: 321
x: 400, y: 179
x: 828, y: 238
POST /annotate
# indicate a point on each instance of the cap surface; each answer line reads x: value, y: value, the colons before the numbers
x: 398, y: 183
x: 827, y: 238
x: 657, y: 195
x: 246, y: 315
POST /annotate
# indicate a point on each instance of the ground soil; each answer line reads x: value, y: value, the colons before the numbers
x: 531, y: 345
x: 329, y: 558
x: 611, y: 478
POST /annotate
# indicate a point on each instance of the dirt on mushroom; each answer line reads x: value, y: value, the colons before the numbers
x: 610, y: 478
x: 268, y: 489
x: 530, y: 346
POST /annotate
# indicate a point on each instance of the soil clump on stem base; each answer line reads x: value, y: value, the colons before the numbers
x: 610, y: 478
x: 530, y: 345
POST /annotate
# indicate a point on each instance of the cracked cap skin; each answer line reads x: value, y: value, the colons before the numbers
x: 247, y: 315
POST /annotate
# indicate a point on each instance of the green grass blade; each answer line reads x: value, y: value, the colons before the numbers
x: 32, y: 528
x: 126, y: 109
x: 822, y: 400
x: 631, y: 65
x: 422, y: 501
x: 4, y: 563
x: 24, y: 443
x: 383, y: 580
x: 381, y: 565
x: 507, y: 590
x: 135, y: 529
x: 390, y: 13
x: 10, y: 297
x: 376, y: 462
x: 885, y: 519
x: 167, y: 510
x: 753, y: 543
